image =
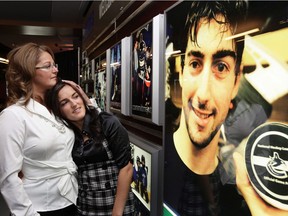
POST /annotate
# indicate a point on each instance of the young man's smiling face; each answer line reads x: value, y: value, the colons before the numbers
x: 208, y: 81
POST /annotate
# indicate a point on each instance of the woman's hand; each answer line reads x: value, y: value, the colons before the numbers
x: 79, y: 90
x: 256, y: 204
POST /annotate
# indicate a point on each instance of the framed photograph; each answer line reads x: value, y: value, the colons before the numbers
x: 115, y: 73
x: 100, y: 81
x: 87, y: 75
x: 147, y: 161
x: 141, y: 71
x: 262, y: 97
x: 147, y: 71
x: 141, y: 185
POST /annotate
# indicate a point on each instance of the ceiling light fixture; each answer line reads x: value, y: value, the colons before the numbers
x: 4, y: 61
x: 242, y: 34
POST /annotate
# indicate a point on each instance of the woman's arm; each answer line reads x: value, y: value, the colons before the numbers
x: 11, y: 159
x: 123, y: 188
x: 255, y: 203
x: 119, y: 145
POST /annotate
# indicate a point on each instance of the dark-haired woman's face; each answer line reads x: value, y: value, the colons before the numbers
x: 71, y: 105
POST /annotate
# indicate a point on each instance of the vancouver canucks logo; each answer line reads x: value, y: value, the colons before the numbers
x: 277, y: 166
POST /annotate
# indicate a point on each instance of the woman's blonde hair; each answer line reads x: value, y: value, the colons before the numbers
x: 21, y: 70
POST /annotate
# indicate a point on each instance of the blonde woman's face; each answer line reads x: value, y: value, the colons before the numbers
x: 45, y: 73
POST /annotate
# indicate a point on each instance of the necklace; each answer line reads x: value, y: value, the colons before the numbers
x: 61, y: 128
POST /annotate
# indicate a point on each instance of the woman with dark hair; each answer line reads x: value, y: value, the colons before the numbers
x: 101, y: 151
x: 37, y: 173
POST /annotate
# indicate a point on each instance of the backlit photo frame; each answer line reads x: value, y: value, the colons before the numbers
x: 262, y: 95
x: 100, y: 81
x: 141, y: 71
x: 147, y: 161
x: 147, y: 71
x: 115, y: 73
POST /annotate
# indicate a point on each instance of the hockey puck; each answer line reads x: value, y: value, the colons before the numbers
x: 266, y: 158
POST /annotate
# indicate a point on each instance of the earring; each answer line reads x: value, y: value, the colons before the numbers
x: 231, y: 105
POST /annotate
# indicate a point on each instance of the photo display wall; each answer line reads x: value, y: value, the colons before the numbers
x: 115, y: 70
x: 142, y: 50
x: 259, y: 97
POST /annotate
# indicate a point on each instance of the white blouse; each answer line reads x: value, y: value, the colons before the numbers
x: 32, y: 141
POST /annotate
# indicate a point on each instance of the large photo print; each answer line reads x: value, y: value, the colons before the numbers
x: 115, y: 69
x: 100, y: 82
x: 142, y: 71
x: 141, y: 182
x: 226, y: 76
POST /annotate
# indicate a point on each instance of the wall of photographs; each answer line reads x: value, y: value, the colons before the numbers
x: 141, y: 84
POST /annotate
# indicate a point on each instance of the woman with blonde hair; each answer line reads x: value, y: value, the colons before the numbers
x: 33, y: 142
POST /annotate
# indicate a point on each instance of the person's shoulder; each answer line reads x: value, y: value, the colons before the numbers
x: 108, y: 119
x: 12, y: 112
x: 105, y: 116
x: 12, y: 109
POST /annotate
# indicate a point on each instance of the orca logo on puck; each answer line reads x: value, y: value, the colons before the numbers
x: 277, y: 167
x: 266, y: 158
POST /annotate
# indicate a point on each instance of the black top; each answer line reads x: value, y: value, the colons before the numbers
x: 188, y: 193
x: 92, y: 150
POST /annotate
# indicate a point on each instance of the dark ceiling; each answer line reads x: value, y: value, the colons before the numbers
x: 57, y: 24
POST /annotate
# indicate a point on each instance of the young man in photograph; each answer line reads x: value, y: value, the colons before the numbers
x: 195, y: 181
x: 209, y: 81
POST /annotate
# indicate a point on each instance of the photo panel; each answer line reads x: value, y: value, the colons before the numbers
x: 100, y: 81
x: 147, y: 159
x: 115, y: 74
x: 141, y: 71
x: 141, y: 185
x: 88, y: 74
x: 262, y: 98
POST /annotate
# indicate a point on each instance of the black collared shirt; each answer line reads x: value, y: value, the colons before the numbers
x: 92, y: 150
